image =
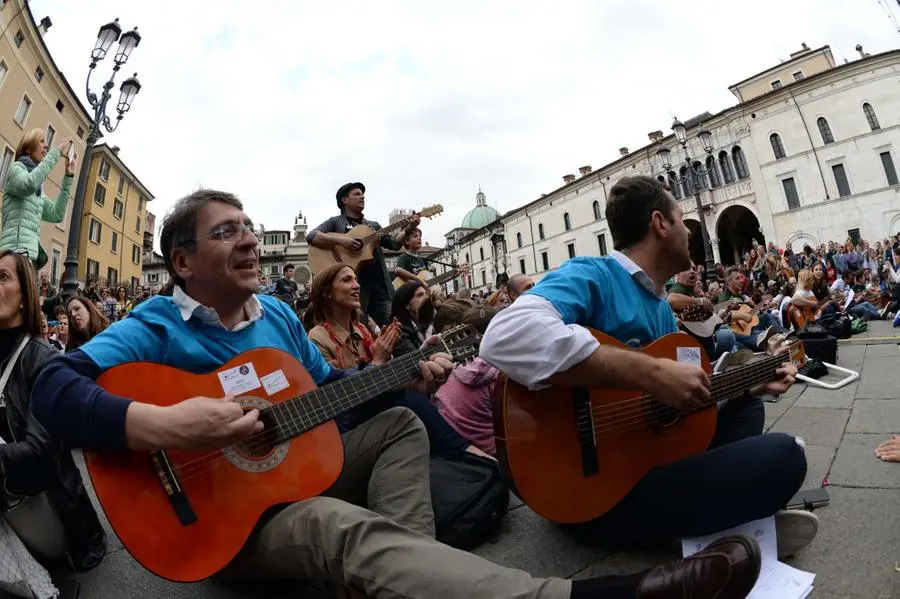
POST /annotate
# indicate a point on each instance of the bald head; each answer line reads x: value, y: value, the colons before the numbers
x: 517, y: 285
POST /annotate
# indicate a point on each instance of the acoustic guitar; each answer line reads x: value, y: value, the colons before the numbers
x: 185, y: 515
x: 320, y: 259
x: 423, y: 275
x: 745, y: 327
x: 572, y: 454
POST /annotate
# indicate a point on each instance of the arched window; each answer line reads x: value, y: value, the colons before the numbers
x: 696, y: 179
x: 596, y: 208
x: 825, y: 131
x: 567, y: 222
x: 540, y: 230
x: 519, y: 239
x: 715, y: 180
x: 725, y: 167
x: 481, y: 253
x: 870, y: 117
x: 777, y: 146
x: 687, y: 187
x: 740, y: 163
x: 674, y: 185
x: 467, y: 257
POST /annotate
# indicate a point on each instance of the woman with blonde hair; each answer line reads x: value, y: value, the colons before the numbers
x: 25, y: 204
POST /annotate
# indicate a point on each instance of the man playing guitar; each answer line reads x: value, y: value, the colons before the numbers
x: 389, y: 552
x: 376, y: 288
x: 745, y: 475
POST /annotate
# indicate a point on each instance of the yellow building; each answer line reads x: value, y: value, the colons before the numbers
x: 112, y: 222
x: 34, y: 94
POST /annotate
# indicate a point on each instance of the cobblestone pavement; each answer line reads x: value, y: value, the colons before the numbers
x: 854, y: 555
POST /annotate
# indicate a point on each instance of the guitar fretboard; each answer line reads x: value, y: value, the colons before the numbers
x: 732, y: 384
x: 297, y: 415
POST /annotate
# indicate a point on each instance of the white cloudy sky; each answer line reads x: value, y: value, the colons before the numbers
x: 423, y: 101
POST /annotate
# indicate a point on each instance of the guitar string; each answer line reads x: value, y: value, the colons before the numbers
x: 744, y: 383
x: 304, y: 420
x: 719, y: 382
x: 296, y: 424
x: 206, y: 463
x: 266, y: 437
x: 618, y: 424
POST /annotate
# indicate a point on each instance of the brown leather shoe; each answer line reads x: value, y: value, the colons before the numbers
x: 727, y: 569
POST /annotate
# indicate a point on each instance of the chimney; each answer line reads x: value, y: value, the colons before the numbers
x: 585, y: 170
x: 804, y: 46
x: 568, y: 179
x: 623, y: 151
x: 115, y: 150
x: 655, y: 136
x: 44, y: 25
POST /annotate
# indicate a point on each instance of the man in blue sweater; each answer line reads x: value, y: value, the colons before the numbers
x: 388, y: 552
x: 745, y: 475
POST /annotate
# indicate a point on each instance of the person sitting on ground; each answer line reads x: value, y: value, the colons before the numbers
x: 413, y: 307
x: 543, y: 340
x: 85, y: 322
x: 31, y: 460
x: 466, y: 400
x: 373, y: 530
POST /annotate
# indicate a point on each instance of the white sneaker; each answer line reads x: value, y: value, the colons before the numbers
x: 762, y: 339
x: 794, y: 531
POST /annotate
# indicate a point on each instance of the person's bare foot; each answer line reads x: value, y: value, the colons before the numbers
x: 889, y: 451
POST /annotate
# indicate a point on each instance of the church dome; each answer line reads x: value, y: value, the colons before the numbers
x: 481, y: 215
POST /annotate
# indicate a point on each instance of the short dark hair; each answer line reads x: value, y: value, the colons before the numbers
x: 632, y: 200
x: 344, y: 190
x: 287, y: 266
x: 411, y: 233
x: 179, y: 227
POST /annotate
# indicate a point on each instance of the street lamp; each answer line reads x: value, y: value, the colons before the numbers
x: 692, y: 178
x: 108, y: 34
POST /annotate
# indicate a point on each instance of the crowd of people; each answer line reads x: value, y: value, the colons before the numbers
x: 373, y: 531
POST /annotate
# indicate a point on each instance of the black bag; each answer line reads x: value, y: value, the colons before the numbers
x: 822, y: 349
x: 837, y: 325
x: 813, y: 368
x: 469, y: 496
x: 812, y: 331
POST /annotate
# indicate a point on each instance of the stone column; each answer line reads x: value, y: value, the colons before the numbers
x: 715, y: 250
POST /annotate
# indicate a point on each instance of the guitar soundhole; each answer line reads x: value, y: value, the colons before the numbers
x: 659, y: 416
x: 260, y: 445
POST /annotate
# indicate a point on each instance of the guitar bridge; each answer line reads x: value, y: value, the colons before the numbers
x: 177, y: 497
x: 584, y: 420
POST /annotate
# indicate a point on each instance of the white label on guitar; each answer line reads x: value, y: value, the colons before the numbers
x: 691, y: 355
x: 239, y: 379
x: 275, y: 382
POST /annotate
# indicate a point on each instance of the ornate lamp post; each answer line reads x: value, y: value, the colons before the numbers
x: 691, y: 181
x: 109, y: 33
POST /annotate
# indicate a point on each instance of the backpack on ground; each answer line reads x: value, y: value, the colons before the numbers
x: 839, y: 326
x: 469, y: 496
x: 858, y: 325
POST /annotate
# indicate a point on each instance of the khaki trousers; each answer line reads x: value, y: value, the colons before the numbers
x: 387, y: 551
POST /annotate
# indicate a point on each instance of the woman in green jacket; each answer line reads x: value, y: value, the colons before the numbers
x: 24, y: 203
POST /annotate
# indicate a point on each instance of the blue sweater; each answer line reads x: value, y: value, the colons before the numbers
x: 70, y: 404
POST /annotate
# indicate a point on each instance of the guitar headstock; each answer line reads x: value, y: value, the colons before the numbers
x: 461, y: 342
x: 431, y: 211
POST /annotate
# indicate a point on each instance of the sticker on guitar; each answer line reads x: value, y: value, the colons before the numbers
x: 689, y: 355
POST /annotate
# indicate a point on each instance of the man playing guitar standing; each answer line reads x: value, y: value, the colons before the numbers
x: 744, y: 475
x: 376, y: 288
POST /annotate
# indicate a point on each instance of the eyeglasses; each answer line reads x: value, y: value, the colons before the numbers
x: 228, y: 233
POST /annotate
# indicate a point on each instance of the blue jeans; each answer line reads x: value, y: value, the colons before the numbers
x: 863, y: 308
x: 745, y: 475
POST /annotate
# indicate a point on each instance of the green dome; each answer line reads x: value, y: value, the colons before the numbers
x: 481, y: 215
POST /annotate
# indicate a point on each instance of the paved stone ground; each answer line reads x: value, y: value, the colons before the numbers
x: 854, y: 555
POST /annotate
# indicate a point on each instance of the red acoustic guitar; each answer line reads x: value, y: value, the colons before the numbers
x: 185, y: 515
x: 572, y: 453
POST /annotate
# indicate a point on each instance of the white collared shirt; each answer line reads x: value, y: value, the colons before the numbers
x: 532, y: 353
x: 189, y: 307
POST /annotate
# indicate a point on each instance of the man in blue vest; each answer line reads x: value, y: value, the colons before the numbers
x: 542, y: 340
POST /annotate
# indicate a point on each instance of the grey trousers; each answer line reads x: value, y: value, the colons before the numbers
x: 387, y: 551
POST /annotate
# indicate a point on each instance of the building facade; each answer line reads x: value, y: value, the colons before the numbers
x: 153, y: 272
x: 280, y: 247
x: 808, y: 155
x: 111, y: 244
x: 34, y: 94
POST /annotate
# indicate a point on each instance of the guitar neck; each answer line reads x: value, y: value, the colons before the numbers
x: 297, y: 415
x: 441, y: 279
x: 734, y: 383
x: 391, y: 228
